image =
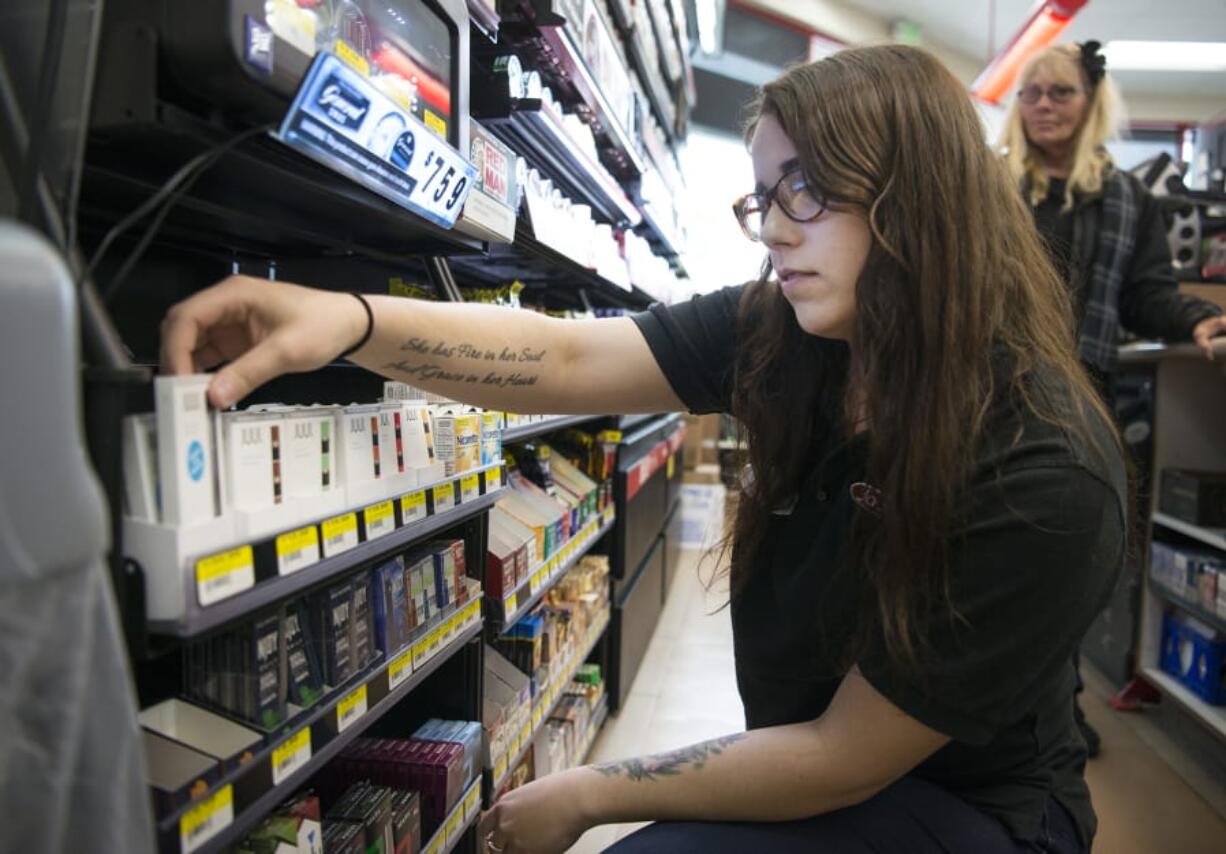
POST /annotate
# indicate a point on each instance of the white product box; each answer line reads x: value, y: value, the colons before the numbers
x: 491, y: 438
x: 391, y: 438
x: 308, y: 449
x: 140, y: 467
x: 186, y: 461
x: 358, y: 445
x: 417, y: 434
x: 444, y: 433
x: 200, y: 729
x: 251, y: 445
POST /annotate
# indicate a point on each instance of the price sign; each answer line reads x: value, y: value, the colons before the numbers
x: 493, y: 479
x: 350, y: 708
x: 437, y: 843
x: 472, y: 801
x: 380, y: 519
x: 342, y: 120
x: 454, y: 825
x: 399, y: 670
x: 413, y: 506
x: 536, y: 717
x: 340, y: 534
x: 500, y: 769
x: 608, y: 514
x: 204, y: 821
x: 470, y: 488
x: 444, y: 496
x: 291, y: 755
x: 672, y: 466
x: 297, y: 550
x: 223, y: 575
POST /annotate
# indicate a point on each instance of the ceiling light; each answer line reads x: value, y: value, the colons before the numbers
x: 1048, y: 19
x: 1165, y: 56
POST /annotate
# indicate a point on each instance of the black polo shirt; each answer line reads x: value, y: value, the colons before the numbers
x: 1034, y: 559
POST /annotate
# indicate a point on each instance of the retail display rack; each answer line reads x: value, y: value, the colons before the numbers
x: 234, y: 137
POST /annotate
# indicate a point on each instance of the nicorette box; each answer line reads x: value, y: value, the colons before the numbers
x: 186, y: 462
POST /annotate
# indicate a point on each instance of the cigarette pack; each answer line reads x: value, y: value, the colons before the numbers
x: 391, y: 606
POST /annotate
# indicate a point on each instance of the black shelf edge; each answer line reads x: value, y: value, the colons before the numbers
x: 662, y: 420
x: 540, y: 428
x: 1196, y: 609
x: 609, y: 519
x: 548, y: 709
x: 317, y: 722
x: 199, y: 620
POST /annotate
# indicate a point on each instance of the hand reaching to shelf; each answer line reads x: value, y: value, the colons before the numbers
x: 541, y: 817
x: 489, y: 356
x: 262, y: 329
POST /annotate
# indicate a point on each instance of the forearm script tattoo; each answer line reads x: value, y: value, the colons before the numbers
x: 668, y: 764
x: 424, y: 362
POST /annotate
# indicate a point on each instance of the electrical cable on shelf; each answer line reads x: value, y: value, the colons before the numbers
x: 163, y: 200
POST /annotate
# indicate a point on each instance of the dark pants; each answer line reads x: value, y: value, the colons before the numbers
x: 911, y: 816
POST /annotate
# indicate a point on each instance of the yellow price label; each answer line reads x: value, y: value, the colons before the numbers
x: 525, y: 734
x: 671, y: 467
x: 500, y: 768
x: 444, y: 496
x: 413, y: 506
x: 399, y: 670
x: 454, y: 825
x: 340, y: 534
x: 493, y: 479
x: 297, y: 550
x: 380, y: 519
x: 470, y: 487
x: 435, y: 123
x: 437, y: 844
x: 536, y: 717
x: 350, y: 708
x: 291, y: 755
x: 354, y: 59
x: 224, y: 574
x: 472, y: 801
x: 204, y: 821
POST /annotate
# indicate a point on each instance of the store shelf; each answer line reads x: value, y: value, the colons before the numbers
x: 261, y: 198
x: 536, y: 263
x: 593, y: 728
x: 543, y: 705
x: 270, y: 587
x: 1212, y: 716
x: 568, y: 55
x: 1215, y: 537
x: 462, y: 816
x: 251, y: 791
x: 545, y: 574
x: 540, y: 428
x: 627, y: 422
x: 1196, y: 609
x: 540, y: 137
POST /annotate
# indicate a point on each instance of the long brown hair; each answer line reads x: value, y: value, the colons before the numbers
x: 956, y: 285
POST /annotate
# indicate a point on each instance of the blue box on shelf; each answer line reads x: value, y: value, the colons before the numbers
x: 1196, y: 655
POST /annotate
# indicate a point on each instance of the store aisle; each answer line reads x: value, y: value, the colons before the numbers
x: 686, y: 692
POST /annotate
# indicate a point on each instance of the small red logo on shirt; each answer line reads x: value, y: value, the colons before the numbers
x: 867, y: 498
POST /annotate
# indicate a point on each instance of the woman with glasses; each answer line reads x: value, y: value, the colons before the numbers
x: 1103, y: 230
x: 935, y: 510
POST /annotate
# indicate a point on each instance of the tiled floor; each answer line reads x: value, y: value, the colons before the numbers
x: 686, y: 692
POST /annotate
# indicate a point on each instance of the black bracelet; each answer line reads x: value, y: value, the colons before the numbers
x: 370, y: 327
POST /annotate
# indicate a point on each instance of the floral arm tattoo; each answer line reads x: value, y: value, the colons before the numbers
x: 668, y: 764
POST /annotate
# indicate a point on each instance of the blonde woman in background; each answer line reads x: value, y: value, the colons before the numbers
x: 1103, y: 230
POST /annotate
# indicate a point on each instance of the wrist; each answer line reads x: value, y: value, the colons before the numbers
x: 360, y: 326
x: 585, y: 784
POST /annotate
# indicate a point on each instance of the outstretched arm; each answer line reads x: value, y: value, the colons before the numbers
x: 498, y: 358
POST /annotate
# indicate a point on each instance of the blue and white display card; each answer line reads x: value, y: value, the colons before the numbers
x: 341, y: 120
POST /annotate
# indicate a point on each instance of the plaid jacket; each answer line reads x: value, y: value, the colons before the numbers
x: 1122, y: 267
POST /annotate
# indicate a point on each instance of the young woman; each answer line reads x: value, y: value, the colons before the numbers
x: 936, y: 509
x: 1102, y: 228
